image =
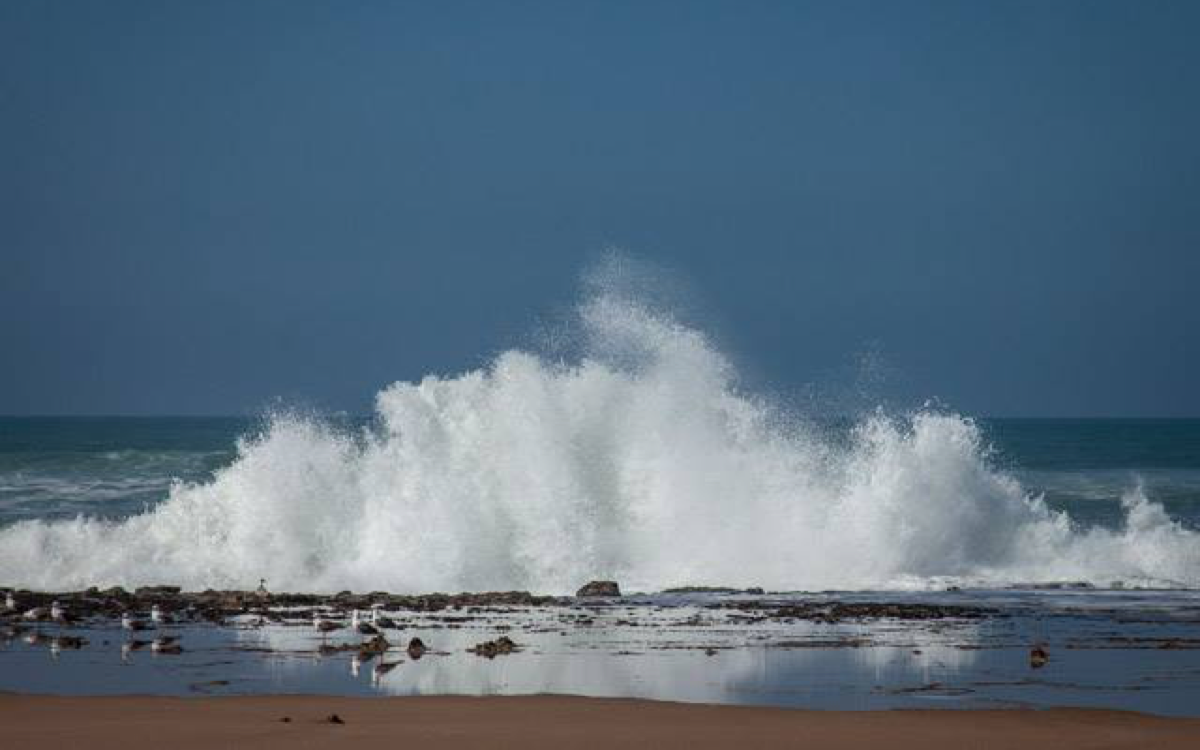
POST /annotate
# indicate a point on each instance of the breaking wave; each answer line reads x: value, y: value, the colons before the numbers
x: 639, y: 459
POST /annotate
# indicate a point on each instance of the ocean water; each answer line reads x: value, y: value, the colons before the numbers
x: 634, y: 454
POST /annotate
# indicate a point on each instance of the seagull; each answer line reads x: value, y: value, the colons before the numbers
x: 10, y: 603
x: 365, y: 628
x: 129, y: 623
x: 37, y: 613
x: 378, y: 621
x: 58, y: 613
x: 158, y: 616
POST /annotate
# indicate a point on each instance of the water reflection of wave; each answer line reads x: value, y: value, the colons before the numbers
x: 641, y: 662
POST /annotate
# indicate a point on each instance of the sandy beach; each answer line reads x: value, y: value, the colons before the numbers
x: 552, y: 722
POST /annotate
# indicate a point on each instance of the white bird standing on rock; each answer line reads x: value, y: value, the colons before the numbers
x: 156, y: 614
x: 37, y: 613
x: 9, y: 602
x: 58, y: 613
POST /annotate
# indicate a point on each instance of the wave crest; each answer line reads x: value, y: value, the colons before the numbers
x: 639, y: 459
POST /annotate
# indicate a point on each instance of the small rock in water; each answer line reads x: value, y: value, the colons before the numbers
x: 286, y: 720
x: 334, y: 719
x: 491, y: 649
x: 376, y: 645
x: 599, y: 588
x: 416, y: 648
x: 1038, y: 657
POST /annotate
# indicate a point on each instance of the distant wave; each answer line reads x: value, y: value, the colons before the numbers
x: 638, y: 459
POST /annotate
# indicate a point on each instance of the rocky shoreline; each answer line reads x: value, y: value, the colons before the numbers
x: 217, y: 606
x: 888, y: 649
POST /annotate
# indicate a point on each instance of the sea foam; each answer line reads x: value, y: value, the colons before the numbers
x: 639, y: 459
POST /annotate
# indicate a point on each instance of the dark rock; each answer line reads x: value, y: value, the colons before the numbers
x: 832, y: 612
x: 207, y: 687
x: 149, y: 591
x: 416, y: 649
x: 70, y: 641
x: 376, y: 645
x: 337, y: 648
x: 491, y: 649
x: 1038, y: 657
x: 599, y: 588
x: 334, y: 719
x: 753, y: 591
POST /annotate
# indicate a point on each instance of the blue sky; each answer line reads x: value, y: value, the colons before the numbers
x: 208, y: 206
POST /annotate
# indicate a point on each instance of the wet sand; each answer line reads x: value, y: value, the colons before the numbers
x: 552, y: 722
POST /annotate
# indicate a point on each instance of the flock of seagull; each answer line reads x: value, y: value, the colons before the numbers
x: 57, y: 614
x: 373, y: 627
x: 376, y: 645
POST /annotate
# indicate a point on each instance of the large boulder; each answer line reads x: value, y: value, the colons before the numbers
x: 599, y: 588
